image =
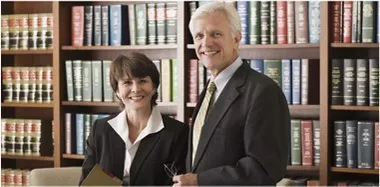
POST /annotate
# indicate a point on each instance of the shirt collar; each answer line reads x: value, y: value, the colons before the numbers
x: 223, y: 77
x: 120, y: 125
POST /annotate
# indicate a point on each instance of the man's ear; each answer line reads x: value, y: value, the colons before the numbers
x: 238, y: 37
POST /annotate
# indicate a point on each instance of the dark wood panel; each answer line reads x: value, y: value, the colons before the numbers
x: 26, y: 52
x: 31, y: 158
x: 355, y: 53
x: 28, y: 105
x: 356, y: 108
x: 356, y: 170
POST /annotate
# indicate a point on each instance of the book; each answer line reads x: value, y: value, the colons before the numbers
x: 69, y: 80
x: 97, y: 24
x: 105, y: 27
x: 97, y: 177
x: 88, y: 25
x: 77, y: 25
x: 352, y: 143
x: 365, y: 144
x: 340, y: 144
x: 107, y: 89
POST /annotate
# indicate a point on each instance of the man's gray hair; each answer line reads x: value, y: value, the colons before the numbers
x: 227, y: 8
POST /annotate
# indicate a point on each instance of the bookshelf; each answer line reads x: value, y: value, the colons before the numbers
x: 183, y: 51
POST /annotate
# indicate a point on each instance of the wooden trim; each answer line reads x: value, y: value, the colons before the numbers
x: 355, y: 170
x: 355, y: 45
x: 357, y: 108
x: 302, y: 168
x: 15, y: 157
x: 73, y: 156
x: 27, y: 52
x: 28, y: 105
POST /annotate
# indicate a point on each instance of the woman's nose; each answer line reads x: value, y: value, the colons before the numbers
x: 135, y: 87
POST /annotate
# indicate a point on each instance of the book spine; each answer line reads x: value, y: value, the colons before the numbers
x: 290, y: 21
x: 157, y: 63
x: 107, y: 89
x: 97, y: 90
x: 68, y: 133
x: 272, y: 22
x: 87, y: 80
x: 373, y: 82
x: 347, y: 21
x: 349, y: 82
x: 377, y: 145
x: 86, y: 129
x: 77, y: 80
x: 77, y: 27
x: 174, y: 79
x: 88, y: 22
x: 301, y: 22
x: 336, y: 21
x: 171, y: 13
x: 193, y: 80
x: 79, y: 124
x: 97, y: 25
x: 264, y: 18
x: 152, y: 23
x: 307, y: 142
x: 166, y: 80
x: 368, y: 34
x: 254, y: 30
x: 132, y: 24
x: 354, y: 18
x: 362, y: 82
x: 305, y: 81
x: 282, y: 29
x: 365, y: 144
x: 295, y: 144
x: 317, y: 142
x: 340, y: 144
x: 115, y: 19
x: 352, y: 144
x: 296, y: 82
x: 272, y: 68
x: 69, y: 80
x: 287, y: 79
x: 257, y: 65
x: 141, y: 24
x: 314, y: 21
x: 337, y: 82
x: 105, y: 26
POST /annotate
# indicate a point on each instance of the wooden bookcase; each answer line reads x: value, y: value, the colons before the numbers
x: 183, y: 51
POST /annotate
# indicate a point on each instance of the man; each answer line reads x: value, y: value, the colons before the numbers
x: 245, y: 135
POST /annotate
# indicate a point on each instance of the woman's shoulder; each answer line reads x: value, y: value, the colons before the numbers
x: 100, y: 123
x: 174, y: 124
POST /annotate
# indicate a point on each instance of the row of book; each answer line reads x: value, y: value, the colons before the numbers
x: 355, y: 82
x: 356, y: 144
x: 355, y: 21
x: 15, y: 177
x: 89, y: 80
x: 292, y: 75
x: 77, y: 129
x: 27, y: 84
x: 304, y: 181
x: 21, y: 136
x: 277, y: 22
x: 355, y: 183
x: 132, y: 24
x: 27, y: 31
x: 305, y: 143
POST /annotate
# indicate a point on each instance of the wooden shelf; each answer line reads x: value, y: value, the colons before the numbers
x: 355, y: 45
x: 355, y: 170
x: 271, y: 46
x: 27, y: 52
x: 42, y: 158
x: 123, y: 47
x: 302, y: 168
x: 71, y: 156
x: 304, y: 110
x: 358, y: 108
x: 28, y: 105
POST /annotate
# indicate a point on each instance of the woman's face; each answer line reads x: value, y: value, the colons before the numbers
x: 136, y: 93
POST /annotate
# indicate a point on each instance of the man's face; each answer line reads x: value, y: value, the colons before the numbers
x: 215, y: 46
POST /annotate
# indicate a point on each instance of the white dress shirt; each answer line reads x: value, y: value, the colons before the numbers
x: 223, y: 77
x: 120, y: 125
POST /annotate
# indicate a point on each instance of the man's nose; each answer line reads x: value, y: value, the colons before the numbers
x: 207, y: 40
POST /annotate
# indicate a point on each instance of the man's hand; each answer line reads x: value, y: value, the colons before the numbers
x: 188, y: 179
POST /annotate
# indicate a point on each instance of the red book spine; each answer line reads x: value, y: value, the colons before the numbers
x: 307, y: 142
x: 336, y: 21
x: 347, y: 21
x: 77, y: 25
x: 193, y: 80
x: 282, y: 29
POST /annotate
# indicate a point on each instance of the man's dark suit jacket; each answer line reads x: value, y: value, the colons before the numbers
x: 245, y: 138
x: 105, y: 147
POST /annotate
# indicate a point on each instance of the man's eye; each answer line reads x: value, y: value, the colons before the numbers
x: 218, y: 34
x: 198, y: 36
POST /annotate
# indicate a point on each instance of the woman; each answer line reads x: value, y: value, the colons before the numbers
x: 137, y: 144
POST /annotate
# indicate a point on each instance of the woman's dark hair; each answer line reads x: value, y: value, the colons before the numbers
x: 134, y: 65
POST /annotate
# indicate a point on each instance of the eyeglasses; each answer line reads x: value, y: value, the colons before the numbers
x: 170, y: 170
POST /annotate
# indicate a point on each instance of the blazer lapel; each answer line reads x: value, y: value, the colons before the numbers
x: 223, y: 103
x: 145, y: 147
x: 117, y: 153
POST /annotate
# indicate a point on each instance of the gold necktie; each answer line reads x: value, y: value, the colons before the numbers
x: 201, y: 116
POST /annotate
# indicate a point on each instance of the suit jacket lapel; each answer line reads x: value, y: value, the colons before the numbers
x: 117, y: 153
x: 226, y: 98
x: 145, y: 147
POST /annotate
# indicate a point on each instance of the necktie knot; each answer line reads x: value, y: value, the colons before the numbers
x: 211, y: 88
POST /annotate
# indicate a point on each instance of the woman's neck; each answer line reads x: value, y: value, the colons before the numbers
x: 137, y: 121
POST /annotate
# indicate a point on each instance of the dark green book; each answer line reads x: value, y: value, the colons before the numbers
x: 368, y: 28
